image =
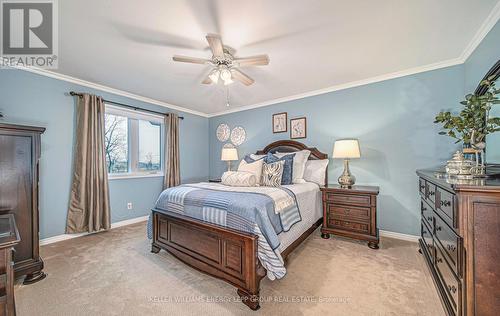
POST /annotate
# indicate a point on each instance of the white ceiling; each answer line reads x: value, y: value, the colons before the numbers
x: 313, y: 44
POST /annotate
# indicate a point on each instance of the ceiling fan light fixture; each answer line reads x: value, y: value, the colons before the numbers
x: 228, y: 81
x: 214, y: 76
x: 225, y: 73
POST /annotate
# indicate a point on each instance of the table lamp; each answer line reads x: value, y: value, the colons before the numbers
x: 229, y: 154
x: 346, y: 149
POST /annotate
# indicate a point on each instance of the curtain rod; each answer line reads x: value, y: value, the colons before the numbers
x: 135, y: 108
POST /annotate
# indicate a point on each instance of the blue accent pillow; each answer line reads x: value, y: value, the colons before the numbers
x: 287, y: 168
x: 249, y: 159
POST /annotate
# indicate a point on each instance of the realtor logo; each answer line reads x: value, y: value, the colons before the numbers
x: 29, y: 33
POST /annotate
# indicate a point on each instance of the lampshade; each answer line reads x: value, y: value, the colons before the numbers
x: 229, y: 154
x: 346, y: 148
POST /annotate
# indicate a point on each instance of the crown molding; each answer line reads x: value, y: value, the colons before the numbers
x: 485, y: 28
x: 353, y: 84
x: 97, y: 86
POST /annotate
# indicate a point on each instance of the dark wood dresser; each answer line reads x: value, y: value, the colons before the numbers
x: 19, y: 156
x: 9, y: 237
x: 460, y: 229
x: 351, y: 213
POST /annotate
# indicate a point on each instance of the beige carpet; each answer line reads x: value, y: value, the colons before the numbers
x: 114, y: 273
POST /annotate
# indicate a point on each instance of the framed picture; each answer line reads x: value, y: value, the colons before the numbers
x: 280, y: 123
x: 298, y: 128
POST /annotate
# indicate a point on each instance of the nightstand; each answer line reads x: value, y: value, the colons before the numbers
x: 351, y: 213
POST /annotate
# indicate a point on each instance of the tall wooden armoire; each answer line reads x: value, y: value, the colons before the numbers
x: 19, y: 156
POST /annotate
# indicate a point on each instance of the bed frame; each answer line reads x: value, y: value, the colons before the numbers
x: 224, y: 253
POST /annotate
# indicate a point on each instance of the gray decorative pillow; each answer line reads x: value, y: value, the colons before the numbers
x: 272, y: 173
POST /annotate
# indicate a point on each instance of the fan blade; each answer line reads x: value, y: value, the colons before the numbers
x: 207, y: 80
x: 240, y: 76
x: 194, y: 60
x: 216, y: 46
x: 259, y: 60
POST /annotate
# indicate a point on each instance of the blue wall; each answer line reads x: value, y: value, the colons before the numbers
x: 482, y: 59
x: 393, y: 120
x: 27, y: 98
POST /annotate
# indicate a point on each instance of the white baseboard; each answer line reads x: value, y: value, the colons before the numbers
x: 386, y: 233
x: 54, y: 239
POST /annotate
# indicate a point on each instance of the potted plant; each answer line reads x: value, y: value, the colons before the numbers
x: 473, y: 123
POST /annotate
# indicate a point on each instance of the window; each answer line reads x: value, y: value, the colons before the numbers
x: 133, y: 142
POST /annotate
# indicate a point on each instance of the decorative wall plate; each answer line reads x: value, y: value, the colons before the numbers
x: 238, y: 135
x: 223, y: 132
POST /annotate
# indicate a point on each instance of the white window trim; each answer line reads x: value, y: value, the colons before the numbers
x: 138, y: 115
x: 130, y: 175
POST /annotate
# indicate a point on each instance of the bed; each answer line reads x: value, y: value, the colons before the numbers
x: 233, y: 254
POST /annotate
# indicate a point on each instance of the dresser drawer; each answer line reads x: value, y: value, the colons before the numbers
x: 427, y: 213
x: 448, y: 280
x: 427, y: 239
x: 348, y: 199
x: 446, y: 204
x: 421, y: 186
x: 450, y: 242
x: 348, y: 212
x: 349, y: 225
x: 431, y: 193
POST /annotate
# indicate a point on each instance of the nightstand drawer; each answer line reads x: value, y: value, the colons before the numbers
x: 362, y: 213
x: 349, y: 225
x: 361, y: 200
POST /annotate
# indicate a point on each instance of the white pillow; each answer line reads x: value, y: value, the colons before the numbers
x: 253, y: 167
x: 239, y: 179
x: 315, y: 171
x: 299, y: 164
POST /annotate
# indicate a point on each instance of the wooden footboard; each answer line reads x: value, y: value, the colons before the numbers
x: 224, y: 253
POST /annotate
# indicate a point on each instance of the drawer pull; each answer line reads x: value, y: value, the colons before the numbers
x: 432, y: 193
x: 445, y: 203
x: 429, y: 218
x: 424, y: 208
x: 452, y: 288
x: 439, y: 228
x: 439, y: 260
x: 451, y: 247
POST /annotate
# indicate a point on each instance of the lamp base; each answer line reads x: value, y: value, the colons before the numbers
x: 346, y: 179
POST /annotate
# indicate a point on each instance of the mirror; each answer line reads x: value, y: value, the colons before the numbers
x: 492, y: 140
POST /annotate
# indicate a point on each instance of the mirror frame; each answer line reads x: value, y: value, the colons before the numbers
x: 481, y: 90
x: 494, y: 71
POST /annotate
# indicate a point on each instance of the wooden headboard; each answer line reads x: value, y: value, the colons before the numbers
x: 290, y: 146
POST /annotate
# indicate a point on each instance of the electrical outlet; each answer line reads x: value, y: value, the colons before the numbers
x: 129, y: 205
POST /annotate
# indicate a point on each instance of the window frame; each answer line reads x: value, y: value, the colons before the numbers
x: 133, y: 142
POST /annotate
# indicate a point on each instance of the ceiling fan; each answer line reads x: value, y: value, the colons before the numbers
x: 225, y: 65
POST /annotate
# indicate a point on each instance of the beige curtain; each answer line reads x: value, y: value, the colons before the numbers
x: 89, y: 209
x: 172, y: 158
